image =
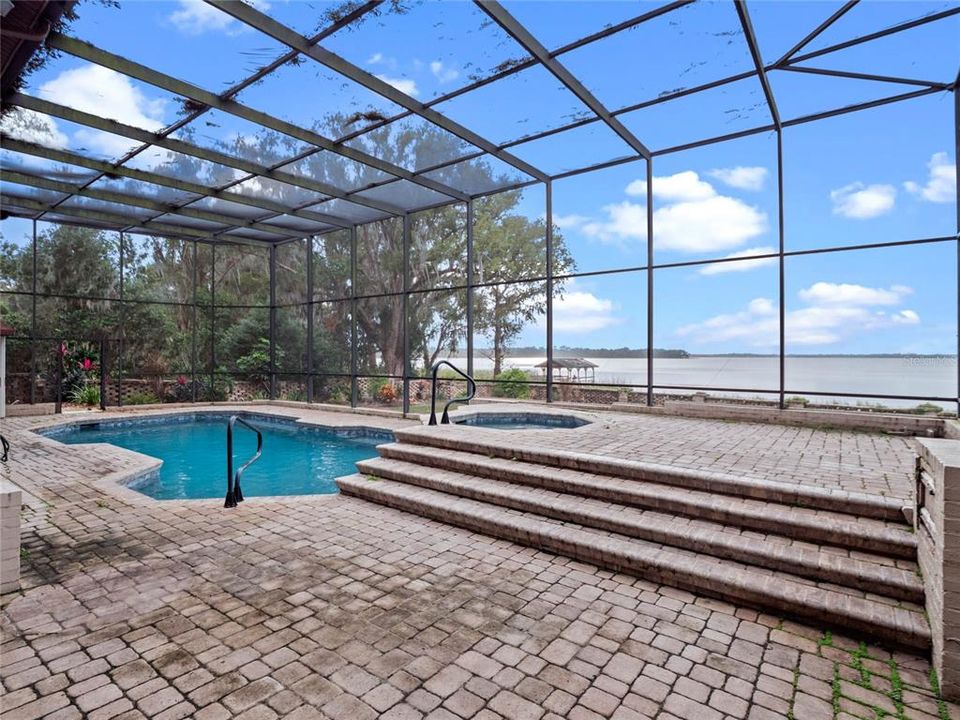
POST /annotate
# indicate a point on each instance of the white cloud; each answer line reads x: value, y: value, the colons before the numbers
x: 442, y: 73
x: 681, y: 186
x: 195, y: 17
x: 741, y: 265
x: 375, y: 59
x: 835, y: 312
x: 106, y: 93
x: 716, y: 223
x: 743, y: 178
x: 693, y: 218
x: 625, y: 221
x: 404, y: 85
x: 33, y: 127
x: 569, y: 221
x: 824, y: 293
x: 862, y: 202
x: 579, y: 311
x: 941, y: 184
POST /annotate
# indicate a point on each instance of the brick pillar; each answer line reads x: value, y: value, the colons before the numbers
x: 10, y: 498
x: 937, y: 523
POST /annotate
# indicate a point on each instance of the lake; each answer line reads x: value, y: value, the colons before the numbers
x: 917, y: 376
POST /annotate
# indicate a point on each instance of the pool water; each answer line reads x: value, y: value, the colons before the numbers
x: 522, y: 421
x: 296, y: 460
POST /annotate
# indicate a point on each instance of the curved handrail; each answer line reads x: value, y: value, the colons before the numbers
x: 471, y: 392
x: 234, y: 494
x: 6, y: 448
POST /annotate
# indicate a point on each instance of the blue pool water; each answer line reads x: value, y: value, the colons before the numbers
x: 522, y: 421
x: 296, y: 460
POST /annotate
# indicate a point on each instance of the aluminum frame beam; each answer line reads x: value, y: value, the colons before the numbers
x: 252, y: 17
x: 34, y: 181
x: 203, y: 191
x: 528, y: 42
x: 356, y: 13
x: 120, y: 223
x: 98, y: 56
x: 29, y: 102
x: 817, y: 31
x: 751, y: 39
x: 893, y: 29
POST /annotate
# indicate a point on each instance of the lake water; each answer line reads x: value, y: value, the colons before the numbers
x: 922, y: 376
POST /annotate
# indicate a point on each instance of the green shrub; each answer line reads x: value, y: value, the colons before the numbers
x: 512, y: 383
x: 141, y: 398
x: 387, y: 393
x: 218, y: 391
x: 85, y: 395
x: 927, y: 409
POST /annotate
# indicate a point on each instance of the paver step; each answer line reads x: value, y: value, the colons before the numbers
x: 704, y: 574
x: 822, y: 527
x: 868, y: 573
x: 861, y: 505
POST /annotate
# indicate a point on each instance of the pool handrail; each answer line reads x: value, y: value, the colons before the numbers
x: 234, y: 494
x: 471, y: 392
x: 5, y: 448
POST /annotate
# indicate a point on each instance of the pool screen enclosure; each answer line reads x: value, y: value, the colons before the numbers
x: 362, y: 227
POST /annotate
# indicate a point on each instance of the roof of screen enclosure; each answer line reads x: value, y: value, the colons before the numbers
x: 364, y: 186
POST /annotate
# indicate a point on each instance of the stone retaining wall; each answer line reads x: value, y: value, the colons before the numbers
x: 937, y: 524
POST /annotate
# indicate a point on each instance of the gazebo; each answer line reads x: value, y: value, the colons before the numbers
x: 570, y: 369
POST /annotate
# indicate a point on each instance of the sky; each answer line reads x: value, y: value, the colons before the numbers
x: 885, y: 174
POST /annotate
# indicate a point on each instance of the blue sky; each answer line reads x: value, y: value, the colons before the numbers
x: 886, y: 174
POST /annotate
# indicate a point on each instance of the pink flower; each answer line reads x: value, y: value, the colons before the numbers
x: 87, y: 364
x: 181, y: 380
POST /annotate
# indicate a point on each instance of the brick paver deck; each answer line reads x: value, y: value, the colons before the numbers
x: 326, y: 606
x: 855, y: 461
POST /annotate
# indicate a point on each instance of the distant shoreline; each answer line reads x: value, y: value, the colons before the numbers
x: 669, y: 355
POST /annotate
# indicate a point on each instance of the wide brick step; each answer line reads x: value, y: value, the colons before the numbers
x: 868, y: 573
x: 860, y: 505
x: 727, y: 579
x: 822, y: 527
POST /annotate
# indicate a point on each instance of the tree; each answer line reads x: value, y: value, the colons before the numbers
x: 159, y: 273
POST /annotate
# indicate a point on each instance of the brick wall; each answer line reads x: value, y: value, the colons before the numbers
x: 937, y: 523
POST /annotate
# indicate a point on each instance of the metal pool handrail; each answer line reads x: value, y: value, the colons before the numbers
x: 471, y: 392
x: 234, y: 494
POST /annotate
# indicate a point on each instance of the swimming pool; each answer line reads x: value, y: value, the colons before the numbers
x: 296, y: 460
x: 522, y: 421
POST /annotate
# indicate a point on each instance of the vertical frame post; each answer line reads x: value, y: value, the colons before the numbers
x: 406, y: 313
x: 956, y: 158
x: 309, y: 307
x: 649, y: 281
x: 58, y: 406
x: 782, y: 274
x: 213, y: 321
x: 273, y: 321
x: 33, y: 322
x: 470, y: 283
x: 120, y: 354
x: 103, y: 373
x: 193, y: 326
x: 354, y: 365
x: 549, y: 246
